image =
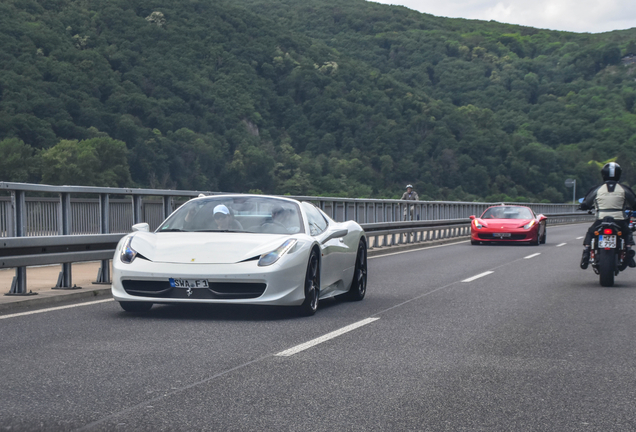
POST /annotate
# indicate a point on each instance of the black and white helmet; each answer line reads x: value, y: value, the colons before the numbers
x: 611, y: 172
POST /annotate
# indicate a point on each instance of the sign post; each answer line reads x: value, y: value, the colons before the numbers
x: 571, y: 183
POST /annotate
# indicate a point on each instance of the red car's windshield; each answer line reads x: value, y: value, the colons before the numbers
x: 503, y: 212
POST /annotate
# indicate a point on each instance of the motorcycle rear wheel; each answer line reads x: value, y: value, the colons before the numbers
x: 607, y: 267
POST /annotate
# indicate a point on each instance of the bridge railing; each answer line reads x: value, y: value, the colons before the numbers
x: 40, y: 211
x: 382, y: 235
x: 36, y: 210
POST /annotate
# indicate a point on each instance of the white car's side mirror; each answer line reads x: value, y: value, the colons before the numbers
x: 336, y: 234
x: 141, y: 227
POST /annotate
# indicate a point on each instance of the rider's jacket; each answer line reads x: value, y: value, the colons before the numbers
x: 410, y: 196
x: 610, y: 199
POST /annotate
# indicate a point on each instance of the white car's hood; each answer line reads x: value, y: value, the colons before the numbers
x: 204, y: 247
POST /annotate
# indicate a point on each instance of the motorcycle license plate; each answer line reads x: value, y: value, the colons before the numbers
x: 607, y: 241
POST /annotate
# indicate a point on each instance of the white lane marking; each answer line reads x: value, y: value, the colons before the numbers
x: 321, y: 339
x: 579, y: 238
x: 562, y: 244
x: 54, y: 309
x: 532, y: 256
x: 470, y: 279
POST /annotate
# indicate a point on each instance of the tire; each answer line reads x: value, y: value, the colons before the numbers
x: 359, y: 283
x: 312, y: 286
x: 606, y: 267
x: 545, y: 235
x: 537, y: 241
x: 129, y: 306
x: 475, y: 242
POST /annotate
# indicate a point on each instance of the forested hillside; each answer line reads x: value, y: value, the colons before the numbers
x: 308, y: 97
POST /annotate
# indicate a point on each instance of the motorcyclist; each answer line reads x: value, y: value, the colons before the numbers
x: 609, y: 199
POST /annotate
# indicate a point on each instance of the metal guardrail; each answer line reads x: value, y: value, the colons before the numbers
x: 22, y: 215
x: 39, y: 230
x: 395, y: 234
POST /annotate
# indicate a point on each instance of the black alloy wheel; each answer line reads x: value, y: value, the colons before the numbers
x: 359, y: 284
x: 312, y: 286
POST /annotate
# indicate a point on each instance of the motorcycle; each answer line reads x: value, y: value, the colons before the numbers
x: 608, y: 251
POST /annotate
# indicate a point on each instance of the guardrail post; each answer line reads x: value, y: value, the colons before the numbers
x: 103, y: 274
x: 137, y: 213
x: 65, y: 279
x: 168, y: 203
x: 18, y: 228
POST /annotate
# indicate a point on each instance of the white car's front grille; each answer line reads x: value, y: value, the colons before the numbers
x: 216, y: 290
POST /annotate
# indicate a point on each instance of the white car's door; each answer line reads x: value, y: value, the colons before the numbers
x: 338, y: 253
x: 330, y: 235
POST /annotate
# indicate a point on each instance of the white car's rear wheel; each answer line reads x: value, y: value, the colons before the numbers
x: 312, y: 286
x: 359, y: 284
x: 129, y: 306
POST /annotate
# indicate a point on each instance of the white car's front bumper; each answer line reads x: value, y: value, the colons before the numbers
x: 284, y: 281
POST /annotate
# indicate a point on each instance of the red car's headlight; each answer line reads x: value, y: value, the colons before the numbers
x: 529, y: 224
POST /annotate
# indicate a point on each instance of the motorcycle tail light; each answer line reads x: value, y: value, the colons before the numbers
x: 619, y: 233
x: 607, y: 231
x: 596, y: 233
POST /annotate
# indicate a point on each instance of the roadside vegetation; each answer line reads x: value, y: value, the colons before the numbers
x: 319, y: 97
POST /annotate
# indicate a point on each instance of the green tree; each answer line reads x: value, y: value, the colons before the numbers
x: 17, y: 163
x: 93, y: 162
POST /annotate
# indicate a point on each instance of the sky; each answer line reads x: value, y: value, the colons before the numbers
x: 581, y: 16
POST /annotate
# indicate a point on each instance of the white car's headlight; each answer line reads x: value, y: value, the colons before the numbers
x: 273, y: 256
x: 529, y: 224
x: 127, y: 254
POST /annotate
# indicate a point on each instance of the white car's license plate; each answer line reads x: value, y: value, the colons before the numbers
x: 501, y: 234
x: 188, y: 283
x: 607, y: 241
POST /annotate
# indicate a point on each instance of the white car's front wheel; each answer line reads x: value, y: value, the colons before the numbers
x: 312, y: 286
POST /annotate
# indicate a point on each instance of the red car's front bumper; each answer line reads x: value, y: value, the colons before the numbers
x: 514, y: 235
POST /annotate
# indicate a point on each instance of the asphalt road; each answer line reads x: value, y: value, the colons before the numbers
x: 536, y: 345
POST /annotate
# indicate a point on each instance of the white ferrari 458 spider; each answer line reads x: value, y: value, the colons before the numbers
x: 241, y: 249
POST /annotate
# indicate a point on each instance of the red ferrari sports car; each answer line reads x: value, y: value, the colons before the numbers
x: 508, y: 223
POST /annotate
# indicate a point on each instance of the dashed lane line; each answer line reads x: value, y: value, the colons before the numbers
x: 533, y: 255
x: 324, y: 338
x: 562, y: 244
x: 470, y: 279
x: 53, y: 309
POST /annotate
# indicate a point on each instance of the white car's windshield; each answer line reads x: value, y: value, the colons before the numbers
x: 503, y: 212
x: 236, y: 214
